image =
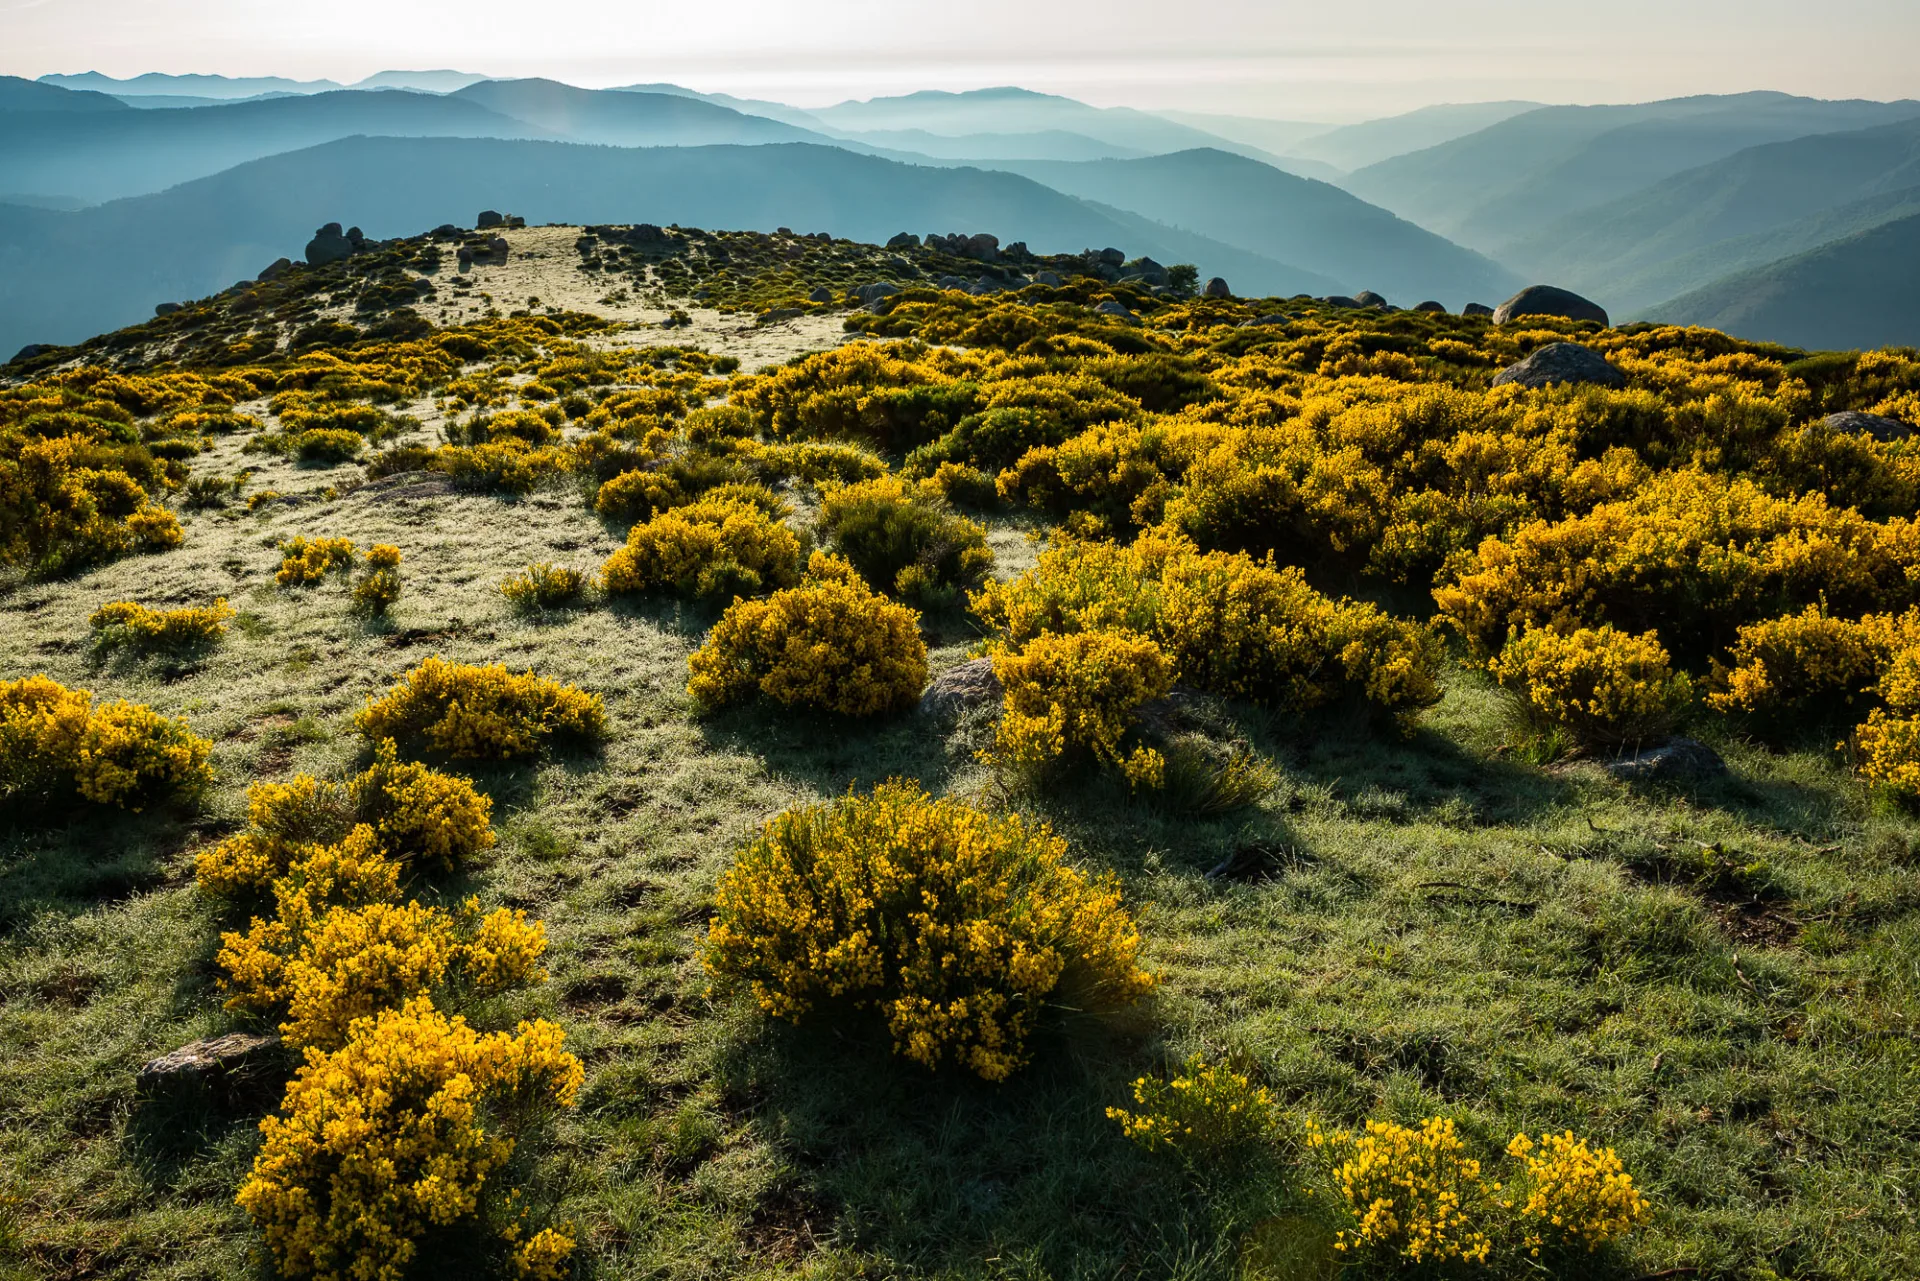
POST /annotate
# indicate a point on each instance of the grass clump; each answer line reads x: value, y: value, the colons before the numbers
x: 134, y: 625
x: 57, y: 742
x: 829, y: 644
x: 483, y: 712
x: 1204, y: 1111
x: 328, y: 445
x: 544, y: 585
x: 954, y: 926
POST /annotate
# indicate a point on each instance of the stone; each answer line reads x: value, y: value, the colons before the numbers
x: 1018, y: 249
x: 1476, y: 309
x: 445, y: 231
x: 873, y: 291
x: 488, y: 219
x: 515, y: 220
x: 1111, y: 257
x: 1368, y: 298
x: 1341, y: 300
x: 1853, y: 422
x: 820, y: 293
x: 953, y: 282
x: 1561, y: 362
x: 328, y: 245
x: 31, y: 350
x: 1217, y: 288
x: 777, y: 315
x: 1277, y: 318
x: 1549, y: 300
x: 1437, y: 308
x: 220, y: 1062
x: 905, y: 240
x: 1150, y: 271
x: 984, y: 247
x: 1674, y: 761
x: 1051, y: 279
x: 961, y: 689
x: 166, y: 309
x: 1112, y: 308
x: 499, y: 247
x: 987, y: 285
x: 275, y: 269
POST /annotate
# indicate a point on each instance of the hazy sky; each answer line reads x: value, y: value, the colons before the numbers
x: 1318, y: 59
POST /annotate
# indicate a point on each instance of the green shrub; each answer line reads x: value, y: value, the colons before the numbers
x: 903, y: 540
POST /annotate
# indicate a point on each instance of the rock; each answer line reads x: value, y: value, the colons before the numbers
x: 984, y: 247
x: 1549, y: 300
x: 487, y: 219
x: 820, y: 293
x: 445, y: 231
x: 166, y: 309
x: 1217, y: 288
x: 1476, y: 309
x: 905, y: 240
x: 500, y: 248
x: 961, y: 689
x: 1368, y: 298
x: 328, y: 245
x: 275, y: 269
x: 777, y: 315
x: 954, y: 282
x: 1676, y: 760
x: 220, y: 1062
x: 1051, y: 279
x: 465, y: 255
x: 515, y: 220
x: 1341, y: 300
x: 1018, y: 249
x: 1148, y: 270
x: 31, y: 350
x: 1432, y: 306
x: 1856, y: 423
x: 874, y: 291
x: 1561, y: 362
x: 1277, y: 318
x: 1112, y: 308
x: 1111, y: 257
x: 987, y: 285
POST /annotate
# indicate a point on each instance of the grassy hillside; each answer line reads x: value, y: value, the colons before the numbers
x: 1371, y: 882
x: 1857, y: 291
x: 1262, y: 209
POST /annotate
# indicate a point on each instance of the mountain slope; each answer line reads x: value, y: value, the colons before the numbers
x: 197, y: 86
x: 17, y: 94
x: 1356, y: 146
x: 1862, y: 291
x: 64, y: 276
x: 624, y: 118
x: 1700, y: 224
x: 1292, y: 219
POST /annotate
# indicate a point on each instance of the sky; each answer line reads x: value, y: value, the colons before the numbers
x: 1323, y: 60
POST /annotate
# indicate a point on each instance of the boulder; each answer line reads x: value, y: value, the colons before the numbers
x: 166, y: 309
x: 820, y: 293
x: 959, y: 690
x: 1112, y: 308
x: 1476, y: 309
x: 874, y: 291
x: 1561, y: 362
x: 1217, y: 288
x: 984, y: 247
x: 275, y: 269
x: 515, y: 220
x: 488, y: 219
x: 987, y: 285
x: 1277, y: 318
x: 1341, y: 300
x: 1051, y: 279
x: 1148, y: 270
x: 220, y: 1062
x: 31, y: 350
x: 328, y: 245
x: 954, y: 282
x: 1677, y: 760
x: 1111, y: 257
x: 499, y: 247
x: 1549, y: 300
x: 905, y: 240
x: 1432, y: 306
x: 1368, y: 298
x: 777, y: 315
x: 1856, y: 423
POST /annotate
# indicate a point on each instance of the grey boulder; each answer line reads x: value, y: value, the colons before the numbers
x: 1051, y: 279
x: 1431, y: 306
x: 1674, y: 761
x: 1112, y: 308
x: 961, y: 689
x: 1853, y: 422
x: 1476, y: 309
x: 1549, y: 300
x: 1217, y: 288
x: 875, y: 290
x: 328, y: 245
x: 217, y: 1061
x: 820, y: 293
x: 1561, y: 362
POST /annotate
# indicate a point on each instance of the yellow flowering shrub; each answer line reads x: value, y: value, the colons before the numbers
x: 1078, y: 693
x: 638, y: 495
x: 1576, y: 1197
x: 417, y: 814
x: 955, y: 926
x: 1405, y: 1195
x: 1810, y: 662
x: 155, y: 529
x: 1605, y: 687
x: 509, y: 465
x: 1202, y: 1111
x: 129, y: 623
x: 707, y: 548
x: 829, y: 644
x: 406, y: 1127
x: 305, y: 561
x: 56, y: 741
x: 484, y: 712
x: 903, y: 540
x: 375, y: 593
x: 544, y: 585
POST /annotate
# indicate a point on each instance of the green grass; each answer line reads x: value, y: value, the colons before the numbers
x: 1721, y: 983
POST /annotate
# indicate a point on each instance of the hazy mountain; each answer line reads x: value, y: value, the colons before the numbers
x: 1682, y: 232
x: 198, y: 86
x: 105, y: 155
x: 174, y: 101
x: 1505, y: 181
x: 17, y: 94
x: 746, y: 106
x: 1862, y: 291
x: 987, y: 148
x: 1257, y: 207
x: 66, y: 276
x: 625, y: 118
x: 1281, y: 137
x: 425, y: 81
x: 1356, y: 146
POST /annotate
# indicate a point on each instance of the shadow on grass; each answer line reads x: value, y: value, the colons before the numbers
x: 828, y: 754
x: 68, y: 858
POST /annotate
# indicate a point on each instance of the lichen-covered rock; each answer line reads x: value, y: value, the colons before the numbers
x: 959, y: 690
x: 1674, y: 761
x: 1549, y: 300
x: 1874, y: 425
x: 216, y: 1061
x: 1562, y: 362
x: 1217, y: 288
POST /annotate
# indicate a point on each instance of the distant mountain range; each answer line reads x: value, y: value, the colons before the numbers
x: 1679, y: 207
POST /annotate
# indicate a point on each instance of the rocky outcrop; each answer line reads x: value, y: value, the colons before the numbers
x: 1561, y: 362
x: 905, y: 240
x: 275, y: 269
x: 1114, y: 309
x: 820, y: 293
x: 32, y: 350
x: 1216, y: 288
x: 1853, y: 422
x: 980, y: 247
x: 488, y: 220
x: 1051, y: 279
x: 1368, y: 298
x: 1549, y: 300
x: 1678, y: 760
x: 874, y: 291
x: 230, y: 1064
x: 329, y: 244
x: 166, y: 308
x: 1342, y: 301
x: 1431, y: 306
x: 961, y: 689
x: 1476, y: 309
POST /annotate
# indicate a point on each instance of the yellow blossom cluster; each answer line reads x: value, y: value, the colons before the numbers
x: 56, y: 741
x: 1576, y: 1196
x: 379, y: 588
x: 1412, y: 1195
x: 1200, y: 1112
x: 305, y: 561
x: 955, y: 926
x: 129, y: 623
x: 829, y: 643
x: 1605, y: 687
x: 544, y: 585
x: 1078, y: 693
x: 713, y: 547
x: 483, y: 712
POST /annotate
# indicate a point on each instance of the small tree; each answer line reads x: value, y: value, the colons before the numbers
x: 1184, y: 276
